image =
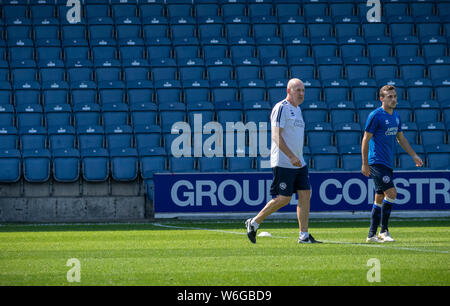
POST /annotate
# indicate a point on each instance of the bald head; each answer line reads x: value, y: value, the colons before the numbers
x: 295, y: 91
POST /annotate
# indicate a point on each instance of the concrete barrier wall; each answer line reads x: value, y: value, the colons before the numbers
x: 74, y: 202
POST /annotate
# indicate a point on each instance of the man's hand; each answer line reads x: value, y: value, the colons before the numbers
x: 295, y: 161
x: 418, y: 161
x: 365, y: 169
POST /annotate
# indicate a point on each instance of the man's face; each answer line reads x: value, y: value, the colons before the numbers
x: 297, y: 92
x: 390, y: 98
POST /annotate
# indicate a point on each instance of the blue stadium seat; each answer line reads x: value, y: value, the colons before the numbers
x: 29, y: 115
x: 319, y: 134
x: 143, y: 113
x: 214, y: 48
x: 229, y: 112
x: 179, y: 8
x: 140, y: 92
x: 258, y: 8
x: 111, y: 92
x: 182, y: 164
x: 276, y: 90
x: 364, y: 90
x: 135, y: 70
x: 351, y: 157
x: 269, y: 47
x: 432, y: 133
x: 347, y: 134
x: 206, y: 9
x: 168, y: 91
x: 205, y: 109
x: 379, y: 47
x: 313, y: 90
x: 33, y: 137
x: 264, y: 26
x: 303, y: 68
x: 171, y: 113
x: 36, y: 165
x: 401, y: 25
x: 237, y: 26
x: 151, y: 9
x: 411, y: 67
x: 434, y: 46
x: 318, y: 8
x: 296, y: 48
x: 319, y: 26
x: 147, y: 136
x: 100, y: 28
x: 252, y: 90
x: 196, y: 91
x: 97, y: 9
x: 353, y: 46
x: 406, y: 46
x: 439, y: 67
x: 120, y: 8
x: 157, y: 48
x: 73, y: 31
x: 119, y: 137
x: 90, y: 137
x: 52, y: 71
x: 411, y: 132
x: 325, y: 158
x: 95, y: 164
x: 86, y: 114
x: 336, y: 90
x: 5, y: 93
x: 438, y: 156
x: 13, y: 9
x: 426, y: 111
x: 330, y: 68
x: 384, y: 68
x: 235, y: 8
x: 223, y: 91
x: 342, y: 112
x: 419, y: 89
x: 83, y: 92
x: 324, y: 47
x: 58, y: 115
x: 373, y: 29
x: 274, y: 68
x: 258, y: 111
x: 23, y: 71
x: 10, y: 163
x: 114, y: 114
x: 7, y: 115
x: 108, y: 70
x: 186, y: 48
x: 131, y: 49
x: 80, y: 70
x: 27, y: 92
x: 66, y: 165
x: 181, y: 27
x: 219, y: 69
x: 61, y: 137
x: 152, y: 160
x: 124, y: 164
x: 211, y: 164
x: 292, y: 26
x: 248, y: 69
x: 155, y: 27
x: 242, y: 48
x: 240, y: 164
x: 428, y: 25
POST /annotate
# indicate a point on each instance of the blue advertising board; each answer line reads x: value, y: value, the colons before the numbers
x: 331, y: 191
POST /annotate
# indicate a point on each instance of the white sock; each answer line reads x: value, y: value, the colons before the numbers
x: 255, y: 224
x: 303, y: 235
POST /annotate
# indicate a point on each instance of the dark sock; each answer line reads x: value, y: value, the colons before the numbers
x: 385, y: 214
x: 375, y: 219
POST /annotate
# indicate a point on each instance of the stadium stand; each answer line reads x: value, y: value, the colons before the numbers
x: 104, y: 92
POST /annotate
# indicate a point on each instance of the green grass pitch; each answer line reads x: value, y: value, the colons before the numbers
x: 207, y: 253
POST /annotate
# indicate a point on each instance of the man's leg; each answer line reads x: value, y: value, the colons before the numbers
x: 303, y: 207
x: 272, y: 206
x: 375, y: 217
x: 388, y: 201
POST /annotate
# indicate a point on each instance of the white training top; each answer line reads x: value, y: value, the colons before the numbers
x: 290, y: 119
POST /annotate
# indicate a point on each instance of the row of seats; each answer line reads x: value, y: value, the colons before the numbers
x: 165, y: 115
x: 220, y: 91
x: 241, y: 70
x: 171, y: 8
x: 96, y: 165
x: 141, y: 136
x: 217, y: 27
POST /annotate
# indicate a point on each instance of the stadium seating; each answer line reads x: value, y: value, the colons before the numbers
x: 122, y: 76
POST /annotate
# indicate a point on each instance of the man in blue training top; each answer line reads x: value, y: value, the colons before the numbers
x: 383, y: 128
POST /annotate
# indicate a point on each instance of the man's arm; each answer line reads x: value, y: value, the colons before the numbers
x: 276, y: 136
x: 404, y: 143
x: 365, y: 153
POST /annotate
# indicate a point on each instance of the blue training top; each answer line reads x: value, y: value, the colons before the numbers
x: 384, y: 128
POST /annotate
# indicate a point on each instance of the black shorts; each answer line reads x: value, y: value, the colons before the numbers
x: 382, y: 177
x: 287, y: 181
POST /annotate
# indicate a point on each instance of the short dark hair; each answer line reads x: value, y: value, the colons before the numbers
x: 386, y: 88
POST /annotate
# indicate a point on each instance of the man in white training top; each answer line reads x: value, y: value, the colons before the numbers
x: 288, y: 165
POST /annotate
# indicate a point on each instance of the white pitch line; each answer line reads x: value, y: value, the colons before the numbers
x: 326, y: 241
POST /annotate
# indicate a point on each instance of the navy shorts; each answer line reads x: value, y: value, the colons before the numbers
x: 382, y: 177
x: 287, y: 181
